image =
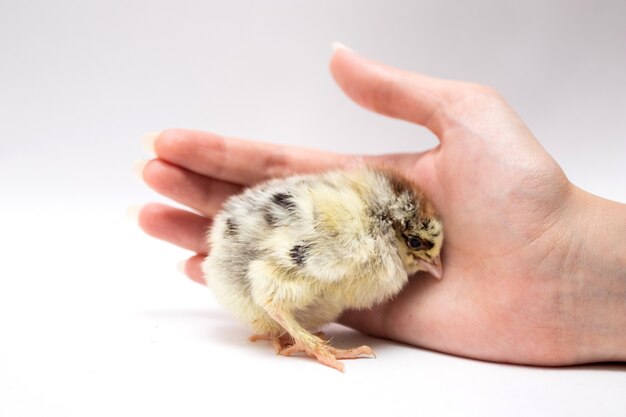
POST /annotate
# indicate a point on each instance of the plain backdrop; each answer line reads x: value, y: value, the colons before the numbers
x: 95, y: 319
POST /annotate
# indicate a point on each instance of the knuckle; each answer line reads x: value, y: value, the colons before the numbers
x: 275, y: 164
x: 477, y: 96
x: 482, y: 91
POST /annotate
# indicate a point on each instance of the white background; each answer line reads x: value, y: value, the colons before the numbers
x: 94, y: 317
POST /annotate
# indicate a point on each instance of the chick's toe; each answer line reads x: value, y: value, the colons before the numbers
x: 279, y: 343
x: 327, y: 354
x: 353, y: 353
x: 319, y: 351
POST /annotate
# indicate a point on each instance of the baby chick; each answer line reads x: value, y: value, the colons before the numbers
x: 290, y: 255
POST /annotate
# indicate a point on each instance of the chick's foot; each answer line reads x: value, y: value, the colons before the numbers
x: 328, y: 355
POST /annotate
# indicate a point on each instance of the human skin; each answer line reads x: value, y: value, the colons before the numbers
x: 534, y: 267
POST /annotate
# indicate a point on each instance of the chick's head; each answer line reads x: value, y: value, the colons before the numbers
x: 419, y: 232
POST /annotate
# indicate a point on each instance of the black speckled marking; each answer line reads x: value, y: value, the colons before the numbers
x: 284, y: 200
x: 269, y: 217
x: 382, y: 216
x: 380, y: 220
x: 299, y: 253
x: 399, y: 185
x: 231, y: 227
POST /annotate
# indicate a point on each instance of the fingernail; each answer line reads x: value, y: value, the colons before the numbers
x: 338, y: 45
x: 138, y: 167
x: 181, y: 266
x: 132, y: 212
x: 147, y: 142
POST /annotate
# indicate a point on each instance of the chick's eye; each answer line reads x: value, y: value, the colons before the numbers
x: 415, y: 243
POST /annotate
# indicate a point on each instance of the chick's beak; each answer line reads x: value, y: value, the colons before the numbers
x: 434, y: 267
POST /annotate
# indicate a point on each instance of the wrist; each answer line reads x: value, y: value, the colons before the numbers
x: 593, y: 285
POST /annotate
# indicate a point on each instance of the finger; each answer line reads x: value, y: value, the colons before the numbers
x: 392, y: 92
x: 186, y: 187
x: 240, y: 161
x: 180, y: 227
x: 192, y: 267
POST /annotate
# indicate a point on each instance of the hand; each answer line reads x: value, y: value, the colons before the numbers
x: 521, y: 278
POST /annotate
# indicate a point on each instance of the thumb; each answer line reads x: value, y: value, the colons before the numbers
x: 392, y: 92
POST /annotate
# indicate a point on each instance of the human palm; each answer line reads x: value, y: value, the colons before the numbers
x: 499, y: 198
x: 498, y: 192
